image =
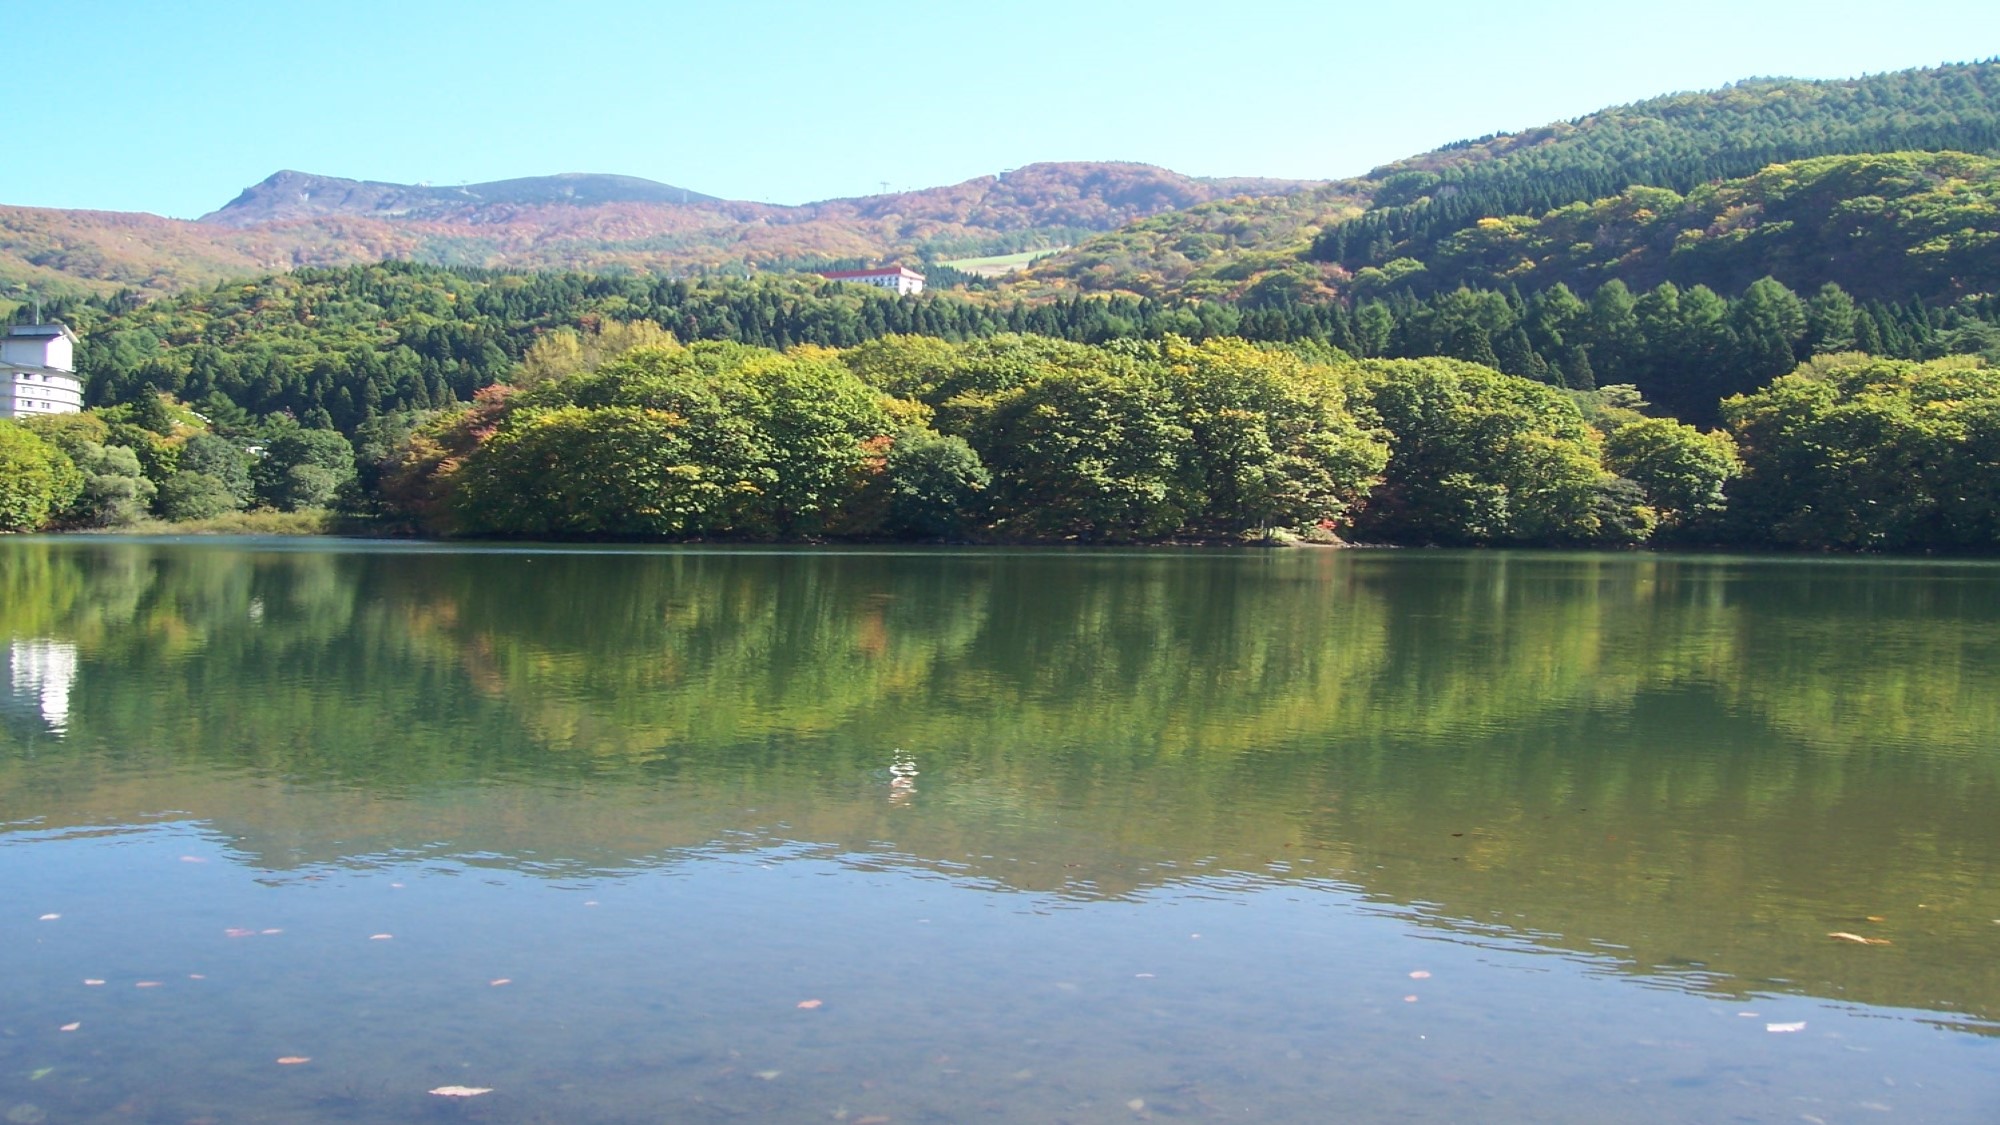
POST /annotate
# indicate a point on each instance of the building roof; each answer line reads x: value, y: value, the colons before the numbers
x: 885, y: 271
x: 41, y: 331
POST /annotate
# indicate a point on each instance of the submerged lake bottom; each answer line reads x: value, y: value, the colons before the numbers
x: 325, y: 832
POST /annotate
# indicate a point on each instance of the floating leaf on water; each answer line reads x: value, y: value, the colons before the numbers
x: 1858, y: 939
x: 1782, y: 1028
x: 810, y: 1004
x: 1420, y: 975
x: 1876, y: 918
x: 294, y: 1060
x: 40, y: 1073
x: 461, y: 1091
x: 71, y: 1026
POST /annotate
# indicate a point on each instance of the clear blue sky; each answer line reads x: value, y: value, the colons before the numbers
x: 173, y: 108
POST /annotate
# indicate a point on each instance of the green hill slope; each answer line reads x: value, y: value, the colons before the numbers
x: 1889, y: 227
x: 1674, y: 142
x: 1312, y: 243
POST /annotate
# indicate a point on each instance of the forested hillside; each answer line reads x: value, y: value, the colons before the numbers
x: 1675, y: 142
x: 1891, y: 227
x: 1409, y: 211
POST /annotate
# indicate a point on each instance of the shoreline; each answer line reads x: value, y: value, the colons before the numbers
x: 360, y: 534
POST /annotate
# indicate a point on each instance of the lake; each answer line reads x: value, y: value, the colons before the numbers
x: 301, y: 831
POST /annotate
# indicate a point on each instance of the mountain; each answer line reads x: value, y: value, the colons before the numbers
x: 1406, y: 210
x: 302, y: 195
x: 583, y: 222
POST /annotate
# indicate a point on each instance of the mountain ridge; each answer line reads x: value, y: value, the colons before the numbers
x: 291, y: 194
x: 582, y: 221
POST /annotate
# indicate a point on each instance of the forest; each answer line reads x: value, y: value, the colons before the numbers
x: 619, y: 431
x: 338, y: 349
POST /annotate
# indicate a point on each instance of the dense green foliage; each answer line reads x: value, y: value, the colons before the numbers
x: 1680, y: 470
x: 1676, y: 142
x: 346, y: 349
x: 37, y: 480
x: 1479, y: 457
x: 1034, y: 439
x: 1029, y: 438
x: 1861, y: 453
x: 714, y: 439
x: 1884, y: 227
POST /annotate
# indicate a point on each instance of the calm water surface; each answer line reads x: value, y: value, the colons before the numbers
x: 643, y: 836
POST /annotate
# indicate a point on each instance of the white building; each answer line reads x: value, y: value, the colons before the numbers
x: 38, y: 365
x: 900, y: 278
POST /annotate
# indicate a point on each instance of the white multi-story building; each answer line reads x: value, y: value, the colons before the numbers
x: 38, y: 364
x: 900, y: 278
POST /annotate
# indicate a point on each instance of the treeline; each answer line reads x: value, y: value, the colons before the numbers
x: 336, y: 348
x: 1676, y: 142
x: 1031, y: 439
x: 340, y: 349
x: 1685, y: 349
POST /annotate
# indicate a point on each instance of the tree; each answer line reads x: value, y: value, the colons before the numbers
x: 610, y: 471
x: 115, y: 489
x: 1480, y: 457
x: 568, y: 351
x: 37, y: 479
x: 1097, y: 454
x: 1273, y: 443
x: 191, y: 495
x: 325, y: 452
x: 1861, y: 453
x: 1770, y: 326
x: 1680, y: 470
x: 936, y: 486
x: 1830, y: 321
x: 220, y: 458
x: 1615, y: 338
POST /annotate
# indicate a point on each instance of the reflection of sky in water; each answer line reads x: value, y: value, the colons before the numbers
x: 671, y: 989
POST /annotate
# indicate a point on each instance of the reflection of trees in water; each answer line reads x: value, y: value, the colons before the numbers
x: 1702, y: 760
